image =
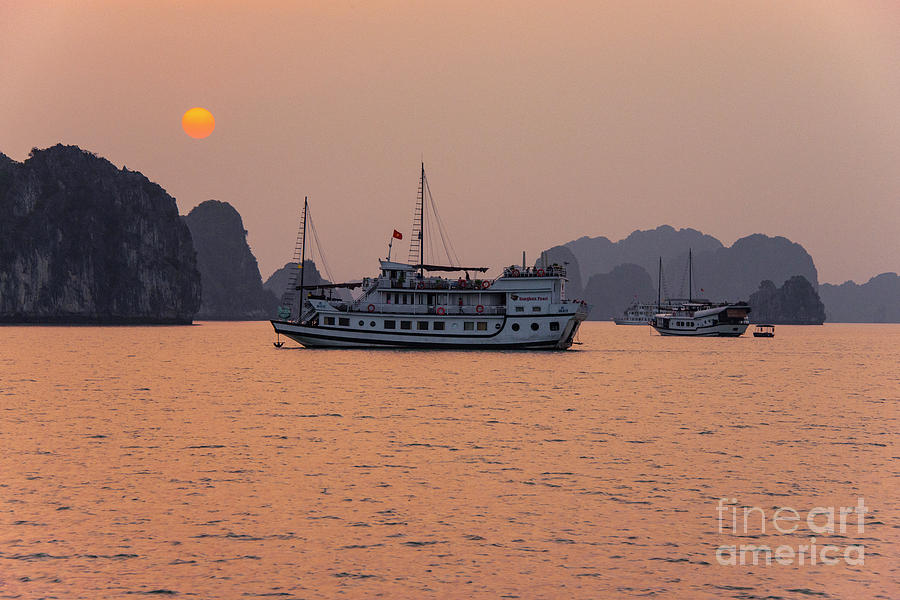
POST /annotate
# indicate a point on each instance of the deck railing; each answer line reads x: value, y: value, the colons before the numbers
x: 420, y: 309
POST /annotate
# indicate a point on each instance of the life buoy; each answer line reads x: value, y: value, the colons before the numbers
x: 371, y: 308
x: 515, y: 273
x: 485, y: 284
x: 479, y: 309
x: 440, y: 310
x: 540, y: 273
x: 420, y: 285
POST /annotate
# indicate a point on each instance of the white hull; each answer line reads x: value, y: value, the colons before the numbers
x: 499, y: 334
x: 711, y: 331
x: 631, y: 321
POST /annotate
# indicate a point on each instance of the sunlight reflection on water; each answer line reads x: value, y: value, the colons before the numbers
x: 202, y: 461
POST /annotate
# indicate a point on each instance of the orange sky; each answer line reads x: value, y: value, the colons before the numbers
x: 539, y: 122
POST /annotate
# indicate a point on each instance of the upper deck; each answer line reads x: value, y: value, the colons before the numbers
x: 401, y: 288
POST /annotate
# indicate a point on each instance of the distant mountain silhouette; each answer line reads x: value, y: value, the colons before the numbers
x: 643, y: 248
x: 719, y: 273
x: 82, y: 241
x: 734, y: 273
x: 232, y: 286
x: 794, y: 303
x: 611, y: 293
x: 876, y: 301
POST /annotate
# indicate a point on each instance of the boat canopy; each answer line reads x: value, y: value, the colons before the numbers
x: 450, y: 269
x: 331, y: 286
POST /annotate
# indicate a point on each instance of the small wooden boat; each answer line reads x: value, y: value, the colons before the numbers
x: 764, y: 330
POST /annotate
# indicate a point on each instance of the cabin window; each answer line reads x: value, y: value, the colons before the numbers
x: 535, y: 309
x: 515, y: 326
x: 482, y: 325
x: 554, y: 325
x: 520, y: 309
x: 405, y: 324
x: 438, y: 325
x: 344, y: 321
x: 390, y: 324
x: 329, y: 320
x: 469, y: 326
x: 534, y: 326
x: 422, y: 325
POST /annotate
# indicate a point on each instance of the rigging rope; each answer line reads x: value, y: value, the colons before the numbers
x: 318, y: 245
x: 445, y: 237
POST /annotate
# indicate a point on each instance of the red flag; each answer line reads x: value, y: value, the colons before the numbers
x: 398, y: 235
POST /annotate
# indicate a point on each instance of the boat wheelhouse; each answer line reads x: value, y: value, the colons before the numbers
x: 415, y: 305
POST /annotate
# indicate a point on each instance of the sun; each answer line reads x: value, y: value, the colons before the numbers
x: 198, y: 123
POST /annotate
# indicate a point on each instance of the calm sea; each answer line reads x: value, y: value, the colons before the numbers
x: 202, y: 462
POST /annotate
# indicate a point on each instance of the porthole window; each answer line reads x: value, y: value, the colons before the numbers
x: 534, y: 326
x: 515, y: 326
x: 371, y: 323
x: 361, y: 323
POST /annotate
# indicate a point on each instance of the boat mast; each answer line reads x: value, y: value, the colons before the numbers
x: 422, y: 225
x: 303, y: 256
x: 690, y: 274
x: 659, y: 286
x: 417, y: 239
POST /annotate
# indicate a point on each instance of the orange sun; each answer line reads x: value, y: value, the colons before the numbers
x: 198, y: 123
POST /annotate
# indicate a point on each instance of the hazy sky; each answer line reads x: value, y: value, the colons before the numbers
x: 539, y: 122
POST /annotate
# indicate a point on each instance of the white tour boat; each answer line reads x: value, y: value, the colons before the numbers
x: 414, y: 305
x: 701, y: 317
x: 704, y: 319
x: 638, y: 313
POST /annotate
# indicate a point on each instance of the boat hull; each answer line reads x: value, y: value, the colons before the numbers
x: 713, y: 331
x: 503, y: 338
x: 725, y: 320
